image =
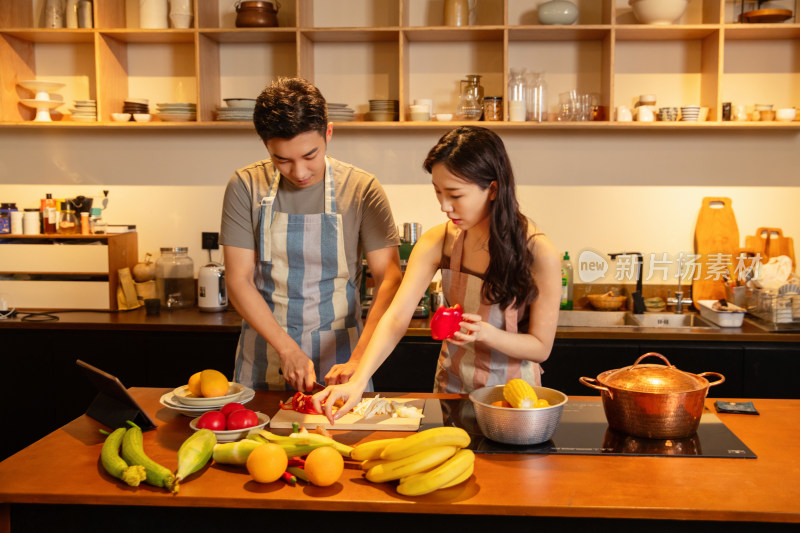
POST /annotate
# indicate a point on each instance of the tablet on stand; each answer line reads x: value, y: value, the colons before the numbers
x: 113, y: 405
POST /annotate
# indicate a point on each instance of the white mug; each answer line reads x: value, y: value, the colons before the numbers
x: 645, y: 114
x: 624, y: 114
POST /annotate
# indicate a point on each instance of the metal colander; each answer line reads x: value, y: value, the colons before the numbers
x: 517, y: 426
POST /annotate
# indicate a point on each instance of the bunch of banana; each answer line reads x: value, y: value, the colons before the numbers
x: 423, y: 462
x: 300, y: 444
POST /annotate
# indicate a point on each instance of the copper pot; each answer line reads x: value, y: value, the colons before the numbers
x: 256, y: 14
x: 653, y: 401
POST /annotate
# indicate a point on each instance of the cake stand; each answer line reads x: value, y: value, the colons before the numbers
x: 42, y: 103
x: 42, y: 107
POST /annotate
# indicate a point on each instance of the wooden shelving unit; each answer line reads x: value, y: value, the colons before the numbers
x: 397, y: 56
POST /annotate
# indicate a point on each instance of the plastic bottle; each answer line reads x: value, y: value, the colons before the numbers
x: 566, y: 282
x: 49, y: 214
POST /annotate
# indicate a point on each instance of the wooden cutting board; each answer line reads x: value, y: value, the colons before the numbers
x: 351, y: 421
x: 716, y: 232
x: 770, y: 242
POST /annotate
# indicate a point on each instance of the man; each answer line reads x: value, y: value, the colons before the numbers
x: 294, y: 228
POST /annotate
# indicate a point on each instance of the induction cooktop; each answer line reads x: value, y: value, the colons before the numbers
x: 583, y: 430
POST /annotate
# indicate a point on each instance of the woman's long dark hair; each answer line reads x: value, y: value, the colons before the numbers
x: 478, y: 155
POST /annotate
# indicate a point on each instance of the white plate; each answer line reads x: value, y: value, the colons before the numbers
x: 185, y: 397
x: 235, y: 434
x: 84, y: 118
x: 168, y: 400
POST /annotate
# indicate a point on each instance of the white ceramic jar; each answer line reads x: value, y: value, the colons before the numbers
x: 153, y: 14
x: 559, y: 12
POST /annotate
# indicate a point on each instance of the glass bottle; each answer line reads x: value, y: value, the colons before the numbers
x: 536, y: 97
x: 175, y: 283
x: 68, y: 221
x: 470, y: 102
x: 516, y: 95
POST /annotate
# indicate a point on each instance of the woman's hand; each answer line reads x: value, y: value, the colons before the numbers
x: 341, y: 373
x: 472, y: 329
x: 350, y: 393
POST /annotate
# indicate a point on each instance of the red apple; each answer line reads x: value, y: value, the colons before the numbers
x: 228, y: 408
x: 213, y: 420
x: 242, y: 419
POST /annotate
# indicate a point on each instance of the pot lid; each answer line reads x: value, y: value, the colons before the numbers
x: 652, y: 378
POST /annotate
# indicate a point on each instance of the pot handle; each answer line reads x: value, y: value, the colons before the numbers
x: 655, y: 354
x: 712, y: 383
x: 592, y: 382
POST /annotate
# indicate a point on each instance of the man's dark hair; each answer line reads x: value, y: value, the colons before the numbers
x: 288, y: 107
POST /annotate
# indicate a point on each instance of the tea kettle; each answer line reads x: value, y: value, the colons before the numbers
x: 211, y: 293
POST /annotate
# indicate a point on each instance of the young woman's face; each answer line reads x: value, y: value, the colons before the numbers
x: 301, y: 159
x: 465, y: 203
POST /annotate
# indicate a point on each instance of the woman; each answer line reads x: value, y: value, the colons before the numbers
x: 504, y: 274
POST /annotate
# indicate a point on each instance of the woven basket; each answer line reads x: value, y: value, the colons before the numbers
x: 606, y: 303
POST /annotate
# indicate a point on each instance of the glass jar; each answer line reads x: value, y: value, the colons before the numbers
x: 470, y: 102
x: 67, y: 221
x: 175, y: 284
x: 536, y: 97
x: 516, y: 95
x: 493, y: 108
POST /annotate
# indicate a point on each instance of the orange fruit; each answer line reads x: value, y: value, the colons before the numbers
x: 501, y: 403
x: 213, y: 383
x: 267, y: 463
x: 324, y: 466
x: 194, y: 384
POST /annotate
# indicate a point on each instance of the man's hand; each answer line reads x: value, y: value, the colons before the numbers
x: 341, y: 373
x: 298, y: 369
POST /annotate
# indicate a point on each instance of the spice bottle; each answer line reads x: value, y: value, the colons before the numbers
x: 566, y: 282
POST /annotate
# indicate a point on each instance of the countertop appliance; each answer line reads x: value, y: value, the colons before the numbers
x: 583, y: 430
x: 211, y: 293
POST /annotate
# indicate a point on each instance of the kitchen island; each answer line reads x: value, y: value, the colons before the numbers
x: 59, y: 478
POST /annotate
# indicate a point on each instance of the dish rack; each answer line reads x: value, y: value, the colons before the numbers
x: 774, y: 307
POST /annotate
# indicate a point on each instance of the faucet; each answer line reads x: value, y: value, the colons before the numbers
x: 638, y: 300
x: 679, y: 300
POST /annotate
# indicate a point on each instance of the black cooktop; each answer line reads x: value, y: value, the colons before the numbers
x: 583, y: 430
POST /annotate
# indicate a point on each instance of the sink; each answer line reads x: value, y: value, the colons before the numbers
x: 596, y: 319
x: 672, y: 320
x: 625, y: 319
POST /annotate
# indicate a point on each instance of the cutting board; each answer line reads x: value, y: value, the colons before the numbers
x: 770, y: 242
x: 716, y: 232
x: 284, y: 418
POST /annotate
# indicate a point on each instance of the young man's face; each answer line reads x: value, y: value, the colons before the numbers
x: 301, y: 159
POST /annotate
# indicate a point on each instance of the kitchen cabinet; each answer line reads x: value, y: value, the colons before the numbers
x: 772, y: 371
x: 357, y: 50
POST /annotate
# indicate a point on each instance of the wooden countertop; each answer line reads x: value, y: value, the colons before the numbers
x: 188, y: 320
x: 63, y: 468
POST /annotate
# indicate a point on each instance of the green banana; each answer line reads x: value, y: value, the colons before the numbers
x: 371, y: 449
x: 193, y: 454
x: 444, y: 475
x: 234, y: 453
x: 430, y: 438
x: 116, y: 465
x: 412, y: 464
x: 133, y: 453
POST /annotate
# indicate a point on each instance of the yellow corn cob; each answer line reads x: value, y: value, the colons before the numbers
x: 519, y: 394
x: 193, y: 454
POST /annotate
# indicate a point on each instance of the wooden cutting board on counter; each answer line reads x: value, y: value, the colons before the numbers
x: 716, y: 232
x: 770, y: 242
x: 284, y: 418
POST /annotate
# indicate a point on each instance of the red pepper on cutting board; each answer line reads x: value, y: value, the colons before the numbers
x: 445, y: 322
x: 301, y: 403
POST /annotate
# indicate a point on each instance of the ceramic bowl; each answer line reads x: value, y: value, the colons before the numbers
x: 661, y: 12
x: 241, y: 102
x: 444, y: 117
x: 786, y: 114
x: 120, y: 117
x: 232, y: 435
x: 142, y: 117
x: 420, y: 116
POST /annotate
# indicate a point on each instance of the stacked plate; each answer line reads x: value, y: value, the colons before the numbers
x: 136, y: 106
x: 84, y: 111
x: 186, y: 403
x: 177, y: 112
x: 237, y: 110
x: 340, y: 112
x: 383, y: 110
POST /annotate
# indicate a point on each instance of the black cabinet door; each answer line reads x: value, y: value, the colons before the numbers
x: 571, y: 359
x: 411, y: 367
x: 772, y: 370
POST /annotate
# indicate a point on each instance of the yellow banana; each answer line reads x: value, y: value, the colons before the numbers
x: 369, y: 463
x: 371, y: 449
x: 410, y: 465
x: 444, y: 475
x: 460, y: 479
x: 430, y: 438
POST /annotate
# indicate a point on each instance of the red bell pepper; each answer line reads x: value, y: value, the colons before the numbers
x: 301, y: 403
x: 445, y: 322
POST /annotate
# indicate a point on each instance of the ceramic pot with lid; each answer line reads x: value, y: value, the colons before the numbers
x: 256, y: 14
x: 653, y: 401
